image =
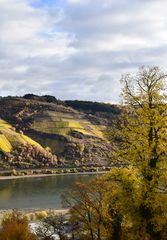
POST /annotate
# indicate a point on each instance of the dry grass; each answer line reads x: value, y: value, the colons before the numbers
x: 9, y: 138
x: 5, y: 145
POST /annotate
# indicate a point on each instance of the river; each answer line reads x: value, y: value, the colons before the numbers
x: 37, y: 192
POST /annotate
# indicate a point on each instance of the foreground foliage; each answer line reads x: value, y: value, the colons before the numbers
x: 15, y: 227
x: 130, y: 203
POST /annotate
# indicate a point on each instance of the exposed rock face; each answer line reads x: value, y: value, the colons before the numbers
x: 73, y: 131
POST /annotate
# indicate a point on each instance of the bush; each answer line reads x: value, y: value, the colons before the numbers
x: 15, y: 226
x: 40, y: 215
x: 14, y: 172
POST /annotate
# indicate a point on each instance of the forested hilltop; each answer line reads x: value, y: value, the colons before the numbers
x: 42, y: 131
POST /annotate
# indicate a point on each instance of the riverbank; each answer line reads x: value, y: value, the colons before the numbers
x: 34, y: 210
x: 33, y: 214
x: 49, y: 175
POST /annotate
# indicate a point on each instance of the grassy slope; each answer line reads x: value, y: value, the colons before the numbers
x: 9, y: 138
x: 63, y: 123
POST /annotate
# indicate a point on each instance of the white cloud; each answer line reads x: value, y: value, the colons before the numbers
x: 81, y: 49
x: 78, y: 1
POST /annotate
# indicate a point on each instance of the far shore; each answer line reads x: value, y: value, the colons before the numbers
x: 49, y: 175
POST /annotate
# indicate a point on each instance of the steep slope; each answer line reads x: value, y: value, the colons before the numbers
x: 19, y: 150
x: 74, y: 135
x: 10, y: 139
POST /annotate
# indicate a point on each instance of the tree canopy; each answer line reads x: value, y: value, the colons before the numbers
x: 142, y: 141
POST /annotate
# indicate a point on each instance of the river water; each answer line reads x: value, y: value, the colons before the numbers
x: 37, y: 192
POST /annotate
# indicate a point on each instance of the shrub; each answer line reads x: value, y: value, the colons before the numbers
x: 14, y: 172
x: 15, y: 226
x: 40, y: 215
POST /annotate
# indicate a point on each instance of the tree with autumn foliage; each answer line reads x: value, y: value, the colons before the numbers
x: 15, y: 227
x: 86, y: 209
x: 105, y: 207
x: 140, y: 139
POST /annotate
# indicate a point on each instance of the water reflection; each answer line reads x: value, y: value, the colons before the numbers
x: 42, y: 192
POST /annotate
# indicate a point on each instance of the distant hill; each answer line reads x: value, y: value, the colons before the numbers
x: 64, y: 132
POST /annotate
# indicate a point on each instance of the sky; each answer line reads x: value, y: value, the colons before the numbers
x: 78, y: 49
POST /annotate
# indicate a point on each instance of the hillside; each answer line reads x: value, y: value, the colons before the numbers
x: 9, y: 138
x: 20, y: 151
x: 71, y: 130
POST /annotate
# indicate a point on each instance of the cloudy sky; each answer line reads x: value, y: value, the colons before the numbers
x: 78, y: 49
